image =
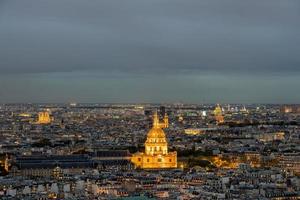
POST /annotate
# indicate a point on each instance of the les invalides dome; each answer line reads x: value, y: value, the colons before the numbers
x: 156, y: 154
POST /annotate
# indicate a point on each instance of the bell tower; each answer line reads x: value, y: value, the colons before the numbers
x: 166, y: 121
x: 158, y: 124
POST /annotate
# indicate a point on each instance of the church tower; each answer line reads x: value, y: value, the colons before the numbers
x: 156, y: 154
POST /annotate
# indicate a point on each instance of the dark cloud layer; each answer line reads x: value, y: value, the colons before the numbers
x: 133, y: 39
x: 150, y: 36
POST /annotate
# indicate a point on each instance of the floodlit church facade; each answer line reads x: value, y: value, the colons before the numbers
x: 156, y: 154
x: 44, y: 118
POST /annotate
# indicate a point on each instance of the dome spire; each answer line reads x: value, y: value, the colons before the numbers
x: 155, y: 120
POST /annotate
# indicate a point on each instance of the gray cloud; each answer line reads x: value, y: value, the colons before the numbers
x: 139, y: 36
x: 150, y: 51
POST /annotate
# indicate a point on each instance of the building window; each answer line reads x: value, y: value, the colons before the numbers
x: 148, y: 160
x: 159, y: 160
x: 139, y: 159
x: 170, y: 160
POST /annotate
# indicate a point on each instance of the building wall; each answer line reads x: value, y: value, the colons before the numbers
x: 155, y: 161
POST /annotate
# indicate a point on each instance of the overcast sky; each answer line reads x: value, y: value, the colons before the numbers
x: 194, y: 51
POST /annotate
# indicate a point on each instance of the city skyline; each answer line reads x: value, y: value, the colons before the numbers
x: 144, y: 100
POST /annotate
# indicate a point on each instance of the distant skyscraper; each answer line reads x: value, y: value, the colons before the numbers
x: 162, y: 110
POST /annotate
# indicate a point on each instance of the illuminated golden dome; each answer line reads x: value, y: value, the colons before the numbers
x: 156, y: 148
x: 156, y: 133
x: 156, y: 142
x: 219, y: 114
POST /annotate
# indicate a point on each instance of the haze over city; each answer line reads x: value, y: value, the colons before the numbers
x: 150, y: 51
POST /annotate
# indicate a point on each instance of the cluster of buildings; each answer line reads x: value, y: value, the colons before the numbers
x: 130, y: 151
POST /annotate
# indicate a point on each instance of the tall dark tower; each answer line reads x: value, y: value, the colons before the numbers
x: 162, y: 110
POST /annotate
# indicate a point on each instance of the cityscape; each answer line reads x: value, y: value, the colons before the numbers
x: 149, y: 100
x: 149, y: 151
